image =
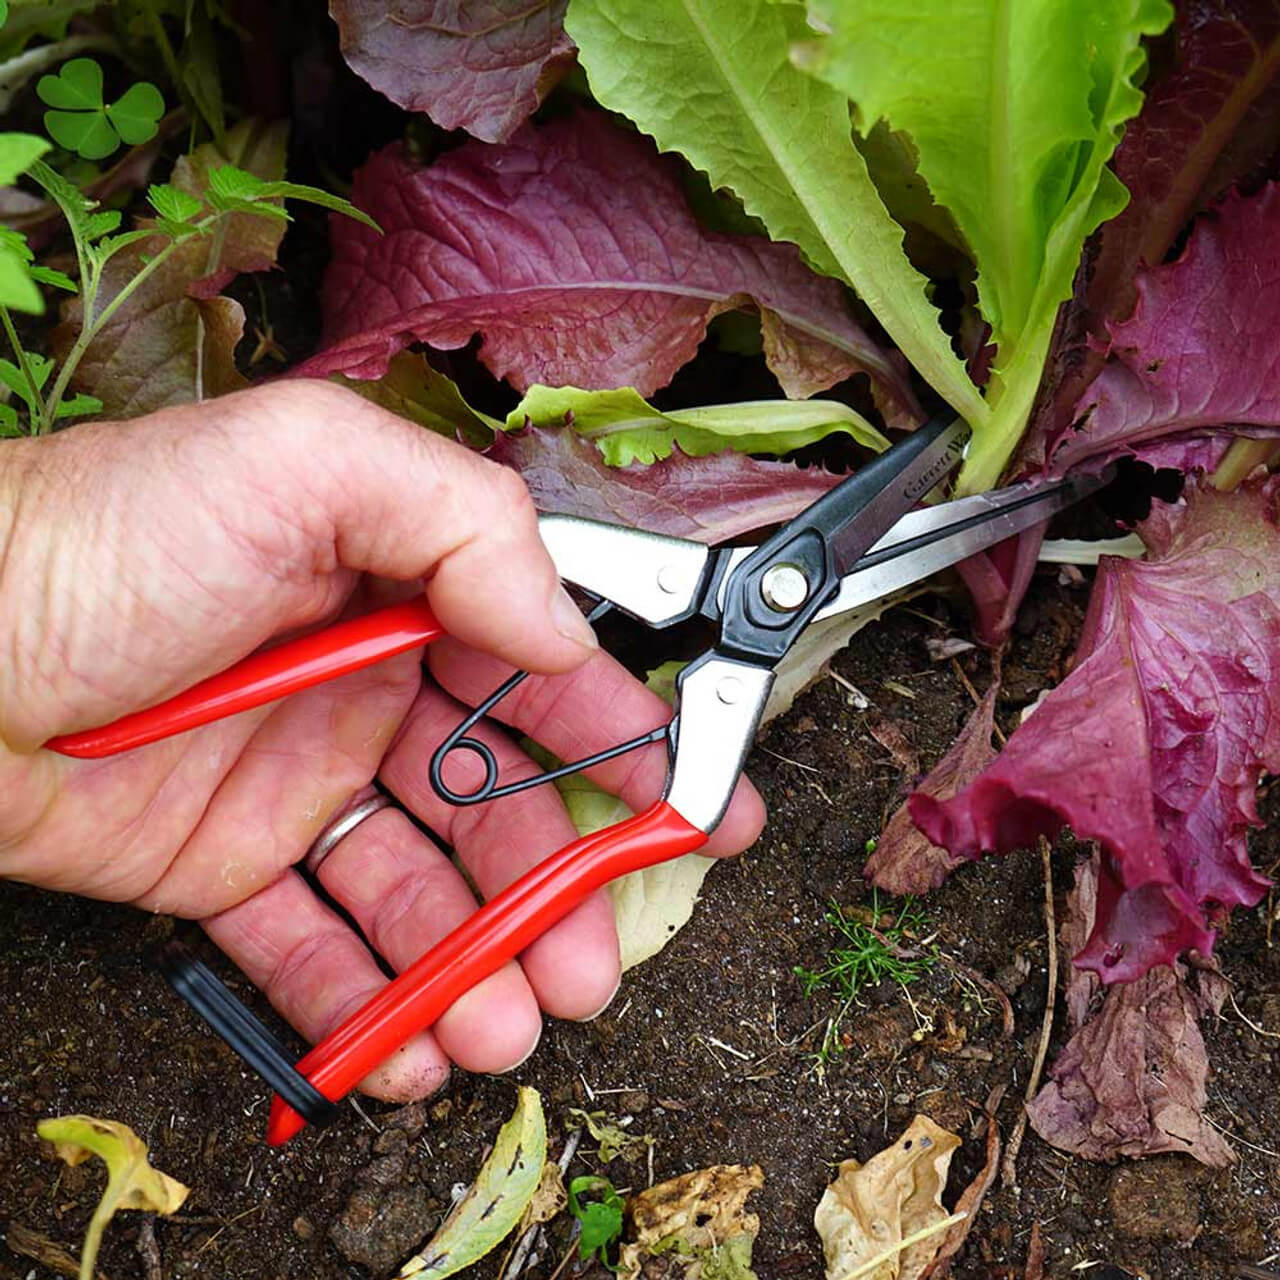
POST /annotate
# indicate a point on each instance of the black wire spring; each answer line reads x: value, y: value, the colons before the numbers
x: 488, y: 788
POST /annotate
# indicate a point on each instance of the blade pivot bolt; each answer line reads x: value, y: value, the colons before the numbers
x: 784, y: 587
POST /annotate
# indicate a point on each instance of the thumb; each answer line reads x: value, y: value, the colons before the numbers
x: 406, y: 503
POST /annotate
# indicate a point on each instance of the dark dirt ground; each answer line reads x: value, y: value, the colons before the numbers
x: 86, y: 1027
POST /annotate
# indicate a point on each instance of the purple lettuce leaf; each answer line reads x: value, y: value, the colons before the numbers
x: 1132, y: 1080
x: 1209, y: 119
x: 1172, y: 157
x: 483, y: 67
x: 708, y: 499
x: 573, y: 252
x: 1196, y: 365
x: 1155, y: 743
x: 997, y: 580
x: 1201, y: 352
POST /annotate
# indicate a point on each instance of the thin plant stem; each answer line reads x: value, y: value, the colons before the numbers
x: 37, y: 401
x: 93, y: 325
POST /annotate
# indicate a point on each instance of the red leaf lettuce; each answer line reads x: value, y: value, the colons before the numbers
x: 1201, y: 352
x: 482, y: 67
x: 707, y: 499
x: 1155, y: 743
x: 573, y: 251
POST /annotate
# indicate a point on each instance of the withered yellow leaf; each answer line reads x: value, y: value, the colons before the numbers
x: 497, y: 1199
x: 696, y: 1226
x: 894, y: 1199
x: 131, y: 1181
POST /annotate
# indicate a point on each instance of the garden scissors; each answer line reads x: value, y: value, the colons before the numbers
x: 867, y: 537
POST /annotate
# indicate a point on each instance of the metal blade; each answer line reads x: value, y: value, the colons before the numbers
x: 924, y: 542
x: 856, y: 514
x: 653, y: 578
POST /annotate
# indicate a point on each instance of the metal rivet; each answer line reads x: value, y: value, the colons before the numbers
x: 729, y: 690
x: 669, y: 579
x: 784, y: 587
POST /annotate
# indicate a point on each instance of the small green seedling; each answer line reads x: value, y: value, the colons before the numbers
x: 886, y: 949
x: 84, y: 122
x: 600, y: 1216
x: 96, y: 237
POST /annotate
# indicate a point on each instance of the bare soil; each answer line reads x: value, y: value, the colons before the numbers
x: 709, y: 1047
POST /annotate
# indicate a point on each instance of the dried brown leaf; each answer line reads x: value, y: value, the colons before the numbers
x: 1132, y: 1080
x: 905, y: 859
x: 872, y: 1208
x: 549, y: 1197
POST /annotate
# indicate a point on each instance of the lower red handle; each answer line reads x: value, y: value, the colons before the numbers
x: 264, y: 677
x: 498, y: 932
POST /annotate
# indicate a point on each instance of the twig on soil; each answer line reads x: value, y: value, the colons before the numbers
x: 27, y: 1243
x: 1244, y: 1142
x: 807, y: 769
x: 971, y: 1197
x: 977, y: 698
x: 1249, y: 1022
x: 148, y: 1249
x: 525, y: 1245
x: 363, y: 1114
x: 230, y: 1222
x: 860, y: 700
x: 1035, y: 1255
x: 564, y: 1262
x: 1009, y: 1171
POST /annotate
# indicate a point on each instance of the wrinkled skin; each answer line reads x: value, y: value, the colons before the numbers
x: 137, y: 558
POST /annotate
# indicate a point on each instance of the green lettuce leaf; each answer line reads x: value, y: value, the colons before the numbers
x: 626, y: 428
x: 1014, y: 111
x: 712, y: 79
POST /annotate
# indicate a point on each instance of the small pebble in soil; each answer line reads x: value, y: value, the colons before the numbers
x: 380, y: 1227
x: 1158, y: 1199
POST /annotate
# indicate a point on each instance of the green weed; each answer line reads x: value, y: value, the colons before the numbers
x: 874, y: 946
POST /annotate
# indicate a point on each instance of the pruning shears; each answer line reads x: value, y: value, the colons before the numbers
x: 864, y: 539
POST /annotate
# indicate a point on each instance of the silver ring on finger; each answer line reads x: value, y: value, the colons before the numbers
x: 343, y: 825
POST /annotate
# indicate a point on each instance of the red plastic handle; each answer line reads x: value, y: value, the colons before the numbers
x: 264, y: 677
x: 499, y: 931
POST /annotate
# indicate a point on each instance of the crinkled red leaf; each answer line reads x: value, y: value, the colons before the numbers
x: 1155, y: 743
x: 482, y: 67
x: 708, y: 499
x: 1209, y: 119
x: 1201, y: 352
x: 573, y: 251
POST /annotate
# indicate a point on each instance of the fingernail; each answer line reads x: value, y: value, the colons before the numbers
x: 569, y: 621
x: 592, y: 1016
x: 515, y: 1066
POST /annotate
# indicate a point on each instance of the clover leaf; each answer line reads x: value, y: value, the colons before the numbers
x: 83, y: 122
x: 601, y: 1218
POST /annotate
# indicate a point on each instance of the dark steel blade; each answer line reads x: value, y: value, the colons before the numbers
x: 927, y: 541
x: 855, y: 515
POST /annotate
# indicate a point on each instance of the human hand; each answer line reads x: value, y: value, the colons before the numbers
x: 138, y: 558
